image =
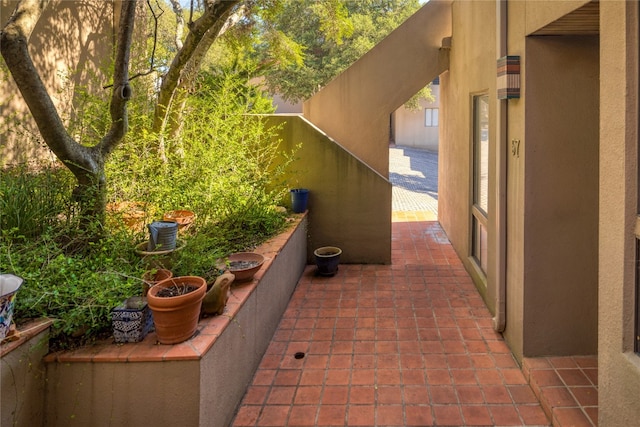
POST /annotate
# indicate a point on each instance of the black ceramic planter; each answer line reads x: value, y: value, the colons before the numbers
x: 327, y: 260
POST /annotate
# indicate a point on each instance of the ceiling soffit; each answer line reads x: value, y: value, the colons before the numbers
x: 583, y: 21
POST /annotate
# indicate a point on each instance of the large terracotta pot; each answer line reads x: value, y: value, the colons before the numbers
x: 176, y: 317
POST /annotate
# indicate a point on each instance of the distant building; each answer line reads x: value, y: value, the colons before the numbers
x: 418, y: 128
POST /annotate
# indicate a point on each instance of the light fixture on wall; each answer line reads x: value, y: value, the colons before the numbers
x: 509, y: 77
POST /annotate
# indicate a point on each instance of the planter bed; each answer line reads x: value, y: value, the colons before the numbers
x: 22, y: 371
x: 198, y: 382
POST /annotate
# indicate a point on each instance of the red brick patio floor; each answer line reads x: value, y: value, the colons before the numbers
x: 406, y: 344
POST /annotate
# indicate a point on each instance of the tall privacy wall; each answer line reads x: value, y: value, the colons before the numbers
x: 349, y: 202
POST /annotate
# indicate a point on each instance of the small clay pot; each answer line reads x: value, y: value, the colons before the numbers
x: 184, y: 218
x: 244, y: 265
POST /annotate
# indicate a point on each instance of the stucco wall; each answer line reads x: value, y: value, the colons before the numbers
x: 561, y: 196
x: 542, y: 290
x: 22, y: 382
x: 472, y: 72
x: 354, y: 108
x: 618, y: 366
x: 409, y: 129
x: 349, y: 203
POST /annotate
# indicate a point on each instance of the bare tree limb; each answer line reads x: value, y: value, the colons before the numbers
x: 177, y: 10
x: 215, y: 15
x: 122, y: 90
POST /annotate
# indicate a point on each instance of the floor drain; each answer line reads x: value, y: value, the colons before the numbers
x: 299, y: 355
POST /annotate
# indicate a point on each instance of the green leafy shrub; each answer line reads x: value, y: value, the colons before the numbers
x: 222, y: 166
x: 30, y: 202
x: 76, y: 290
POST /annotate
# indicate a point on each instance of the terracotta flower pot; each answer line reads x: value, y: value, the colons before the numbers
x: 152, y: 277
x: 132, y: 214
x: 184, y: 218
x: 244, y: 265
x: 176, y: 317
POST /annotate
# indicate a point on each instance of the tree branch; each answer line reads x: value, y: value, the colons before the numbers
x: 215, y: 15
x: 177, y: 10
x: 121, y: 88
x: 14, y: 49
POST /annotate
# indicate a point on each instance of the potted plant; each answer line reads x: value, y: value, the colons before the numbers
x: 176, y: 303
x: 9, y: 285
x: 132, y: 320
x: 327, y: 260
x: 183, y: 217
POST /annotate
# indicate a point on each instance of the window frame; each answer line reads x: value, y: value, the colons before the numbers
x: 480, y: 185
x: 431, y: 117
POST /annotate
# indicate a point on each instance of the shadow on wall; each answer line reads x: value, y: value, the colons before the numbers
x: 71, y: 47
x: 349, y: 202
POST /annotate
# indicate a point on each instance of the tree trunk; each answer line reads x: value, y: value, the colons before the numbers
x: 86, y: 163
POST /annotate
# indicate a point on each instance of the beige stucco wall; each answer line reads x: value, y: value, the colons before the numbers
x: 349, y: 203
x: 409, y: 128
x: 618, y: 366
x: 69, y: 45
x: 22, y: 380
x: 551, y: 300
x: 285, y: 107
x: 472, y: 72
x: 560, y: 155
x: 354, y: 108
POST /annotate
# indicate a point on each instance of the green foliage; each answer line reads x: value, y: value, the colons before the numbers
x: 32, y: 202
x: 76, y: 290
x: 334, y: 35
x: 225, y: 167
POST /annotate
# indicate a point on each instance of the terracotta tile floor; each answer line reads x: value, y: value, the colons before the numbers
x: 567, y: 388
x: 406, y: 344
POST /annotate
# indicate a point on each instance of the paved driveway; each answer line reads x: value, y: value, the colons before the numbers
x: 414, y: 175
